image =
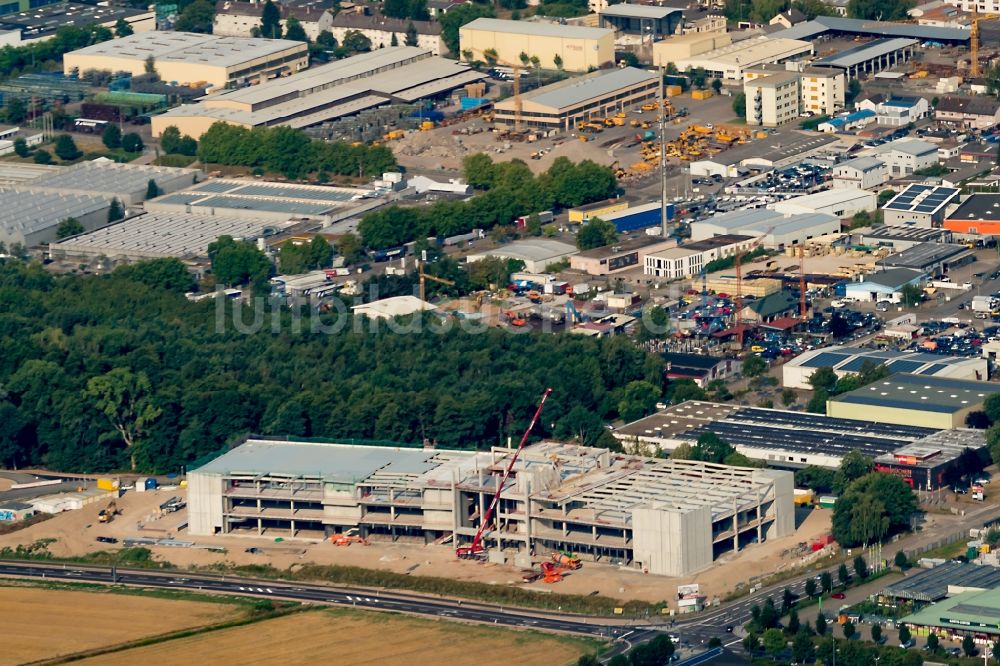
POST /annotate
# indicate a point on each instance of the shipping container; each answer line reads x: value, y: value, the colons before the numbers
x: 599, y: 209
x: 140, y: 484
x: 827, y: 501
x: 469, y: 103
x: 639, y: 217
x: 701, y: 94
x: 107, y: 484
x: 672, y: 91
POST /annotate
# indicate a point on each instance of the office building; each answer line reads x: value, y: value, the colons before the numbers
x: 690, y: 259
x: 619, y: 256
x: 863, y: 173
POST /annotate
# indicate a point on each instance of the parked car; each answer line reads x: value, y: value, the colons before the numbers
x: 883, y: 306
x: 104, y: 539
x: 838, y: 595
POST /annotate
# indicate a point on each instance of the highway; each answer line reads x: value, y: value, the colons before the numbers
x: 450, y: 609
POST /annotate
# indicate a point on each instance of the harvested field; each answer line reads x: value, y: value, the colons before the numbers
x: 40, y: 623
x: 354, y: 637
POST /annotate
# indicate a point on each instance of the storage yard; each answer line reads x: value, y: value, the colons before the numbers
x: 45, y: 624
x: 356, y: 638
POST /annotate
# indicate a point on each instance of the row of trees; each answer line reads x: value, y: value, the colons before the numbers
x: 509, y: 190
x: 712, y: 448
x: 113, y: 139
x: 39, y: 55
x: 762, y: 11
x: 291, y: 152
x: 871, y: 508
x: 826, y: 384
x: 100, y: 370
x: 173, y: 143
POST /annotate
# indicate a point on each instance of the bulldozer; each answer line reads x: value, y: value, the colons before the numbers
x: 109, y: 512
x: 348, y: 537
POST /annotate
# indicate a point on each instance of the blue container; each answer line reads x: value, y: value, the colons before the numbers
x: 150, y: 483
x: 473, y: 102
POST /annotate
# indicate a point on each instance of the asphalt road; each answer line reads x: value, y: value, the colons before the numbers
x: 624, y: 636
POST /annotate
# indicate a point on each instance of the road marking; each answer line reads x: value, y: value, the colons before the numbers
x: 269, y: 591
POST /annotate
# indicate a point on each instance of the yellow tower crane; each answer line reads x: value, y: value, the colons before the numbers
x: 974, y: 38
x: 517, y: 85
x: 434, y: 278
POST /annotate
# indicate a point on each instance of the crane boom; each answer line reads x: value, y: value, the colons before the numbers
x: 475, y: 549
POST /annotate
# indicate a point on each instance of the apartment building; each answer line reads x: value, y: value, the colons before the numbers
x: 772, y: 100
x: 821, y: 89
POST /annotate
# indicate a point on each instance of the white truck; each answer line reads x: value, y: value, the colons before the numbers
x: 983, y: 303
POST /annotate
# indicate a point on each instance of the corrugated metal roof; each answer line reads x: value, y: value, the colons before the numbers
x: 864, y: 52
x: 626, y: 10
x: 824, y: 24
x: 566, y: 94
x: 537, y: 29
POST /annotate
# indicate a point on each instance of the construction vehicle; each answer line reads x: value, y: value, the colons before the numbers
x: 475, y: 550
x: 534, y: 296
x: 109, y: 512
x: 433, y: 278
x: 634, y: 123
x: 514, y: 319
x: 426, y: 125
x: 394, y: 134
x: 552, y: 572
x: 649, y: 106
x: 702, y: 129
x: 567, y: 560
x: 347, y: 539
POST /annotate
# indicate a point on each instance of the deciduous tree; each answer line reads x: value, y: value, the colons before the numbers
x: 125, y: 399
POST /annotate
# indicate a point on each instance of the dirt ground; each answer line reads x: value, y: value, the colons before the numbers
x: 40, y: 624
x: 343, y: 637
x: 76, y: 531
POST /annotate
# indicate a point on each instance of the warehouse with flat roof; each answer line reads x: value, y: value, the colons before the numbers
x: 731, y: 61
x: 579, y: 48
x: 642, y: 20
x: 29, y: 217
x: 840, y: 202
x: 188, y: 57
x: 261, y: 201
x: 128, y: 182
x: 846, y: 360
x: 777, y: 150
x: 666, y: 517
x: 975, y: 614
x: 394, y: 75
x: 160, y: 235
x: 919, y: 205
x: 563, y: 104
x: 931, y: 258
x: 930, y: 585
x: 838, y: 26
x: 778, y: 230
x: 978, y: 215
x: 914, y: 399
x: 536, y: 253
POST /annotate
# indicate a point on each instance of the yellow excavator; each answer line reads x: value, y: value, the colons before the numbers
x: 109, y: 512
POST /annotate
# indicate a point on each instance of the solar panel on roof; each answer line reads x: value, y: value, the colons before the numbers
x: 904, y: 366
x: 931, y: 369
x: 898, y: 206
x: 854, y: 365
x: 824, y: 359
x: 924, y: 208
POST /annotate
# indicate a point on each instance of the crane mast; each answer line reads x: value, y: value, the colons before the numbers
x: 475, y: 549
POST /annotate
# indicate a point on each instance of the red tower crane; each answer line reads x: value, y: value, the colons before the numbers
x: 475, y: 550
x: 738, y: 303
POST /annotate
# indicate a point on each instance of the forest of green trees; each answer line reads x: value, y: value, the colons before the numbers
x: 98, y: 371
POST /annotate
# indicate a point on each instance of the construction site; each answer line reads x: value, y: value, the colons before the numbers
x: 507, y: 506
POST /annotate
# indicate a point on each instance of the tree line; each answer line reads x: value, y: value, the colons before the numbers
x: 98, y: 371
x: 39, y: 55
x: 826, y: 384
x: 291, y: 152
x: 507, y: 191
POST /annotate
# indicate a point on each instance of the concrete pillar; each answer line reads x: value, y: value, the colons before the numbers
x: 292, y: 531
x: 260, y: 527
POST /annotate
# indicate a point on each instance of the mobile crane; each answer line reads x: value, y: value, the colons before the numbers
x: 475, y: 550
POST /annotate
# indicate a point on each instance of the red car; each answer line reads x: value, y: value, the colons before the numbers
x: 837, y: 595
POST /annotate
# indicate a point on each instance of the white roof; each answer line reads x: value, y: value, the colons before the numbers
x: 627, y: 10
x: 842, y: 195
x: 537, y: 29
x: 189, y: 47
x: 397, y: 306
x: 908, y: 146
x: 862, y: 163
x: 531, y: 250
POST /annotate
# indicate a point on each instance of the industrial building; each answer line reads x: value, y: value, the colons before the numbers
x: 403, y: 74
x: 277, y: 202
x: 777, y: 150
x: 690, y: 259
x: 925, y: 400
x: 862, y: 173
x: 40, y: 21
x: 646, y: 21
x: 870, y: 58
x: 158, y: 235
x: 836, y: 26
x: 898, y: 237
x: 395, y: 306
x: 904, y: 156
x: 126, y: 182
x: 919, y: 205
x: 967, y: 614
x: 699, y: 368
x: 928, y: 464
x: 666, y: 517
x: 979, y: 112
x: 579, y: 48
x: 30, y: 218
x: 847, y: 360
x: 601, y: 209
x: 537, y: 253
x: 620, y: 256
x: 676, y: 48
x: 639, y: 217
x: 778, y: 229
x: 563, y: 104
x: 978, y: 215
x: 849, y: 121
x: 886, y: 285
x: 897, y: 111
x: 838, y: 202
x: 930, y: 258
x: 730, y: 62
x: 794, y: 440
x: 187, y: 58
x: 928, y: 586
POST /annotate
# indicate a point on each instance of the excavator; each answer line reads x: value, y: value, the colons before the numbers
x: 514, y: 319
x: 109, y: 512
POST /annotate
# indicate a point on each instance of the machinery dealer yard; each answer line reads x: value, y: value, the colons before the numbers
x: 45, y: 624
x: 354, y: 638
